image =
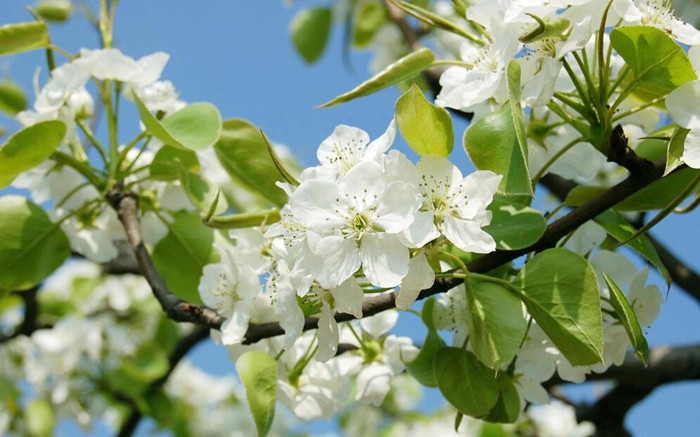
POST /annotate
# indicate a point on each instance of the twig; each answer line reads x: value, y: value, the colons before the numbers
x: 126, y: 205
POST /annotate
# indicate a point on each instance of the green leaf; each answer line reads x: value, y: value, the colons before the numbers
x: 426, y: 313
x: 244, y: 220
x: 626, y: 316
x: 507, y: 407
x: 621, y: 230
x: 258, y: 373
x: 182, y: 254
x: 12, y: 98
x: 496, y: 321
x: 675, y: 149
x: 514, y: 226
x: 57, y: 11
x: 493, y: 143
x: 149, y: 363
x: 39, y: 418
x: 370, y: 18
x: 309, y: 31
x: 28, y: 148
x: 194, y: 127
x: 242, y: 152
x: 421, y: 368
x: 31, y: 246
x: 465, y: 382
x: 560, y: 291
x: 426, y: 128
x: 170, y: 163
x: 404, y: 68
x: 657, y: 61
x: 22, y: 37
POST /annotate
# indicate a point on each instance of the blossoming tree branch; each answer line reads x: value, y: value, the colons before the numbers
x: 118, y: 254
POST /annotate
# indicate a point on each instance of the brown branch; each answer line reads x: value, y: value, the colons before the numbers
x: 126, y: 205
x: 667, y: 364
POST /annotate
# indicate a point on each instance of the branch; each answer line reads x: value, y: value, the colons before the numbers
x: 31, y: 315
x: 667, y: 364
x: 126, y: 205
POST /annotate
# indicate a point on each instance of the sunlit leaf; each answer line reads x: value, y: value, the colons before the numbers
x: 258, y: 373
x: 657, y: 61
x: 426, y: 128
x: 31, y: 246
x: 496, y: 322
x: 194, y: 127
x: 370, y: 17
x: 404, y: 68
x: 22, y: 37
x: 28, y: 148
x: 243, y: 154
x: 560, y: 291
x: 626, y: 316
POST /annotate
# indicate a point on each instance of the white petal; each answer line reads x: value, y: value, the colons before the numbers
x: 421, y: 232
x: 682, y: 104
x: 373, y: 383
x: 420, y: 276
x: 384, y: 259
x: 379, y: 324
x: 691, y: 148
x: 234, y: 328
x: 343, y: 148
x: 348, y: 298
x: 467, y: 235
x: 341, y: 259
x: 382, y: 144
x: 327, y: 334
x: 398, y: 206
x: 314, y: 204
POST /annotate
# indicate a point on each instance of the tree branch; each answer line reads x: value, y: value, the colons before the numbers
x: 126, y: 205
x: 667, y: 364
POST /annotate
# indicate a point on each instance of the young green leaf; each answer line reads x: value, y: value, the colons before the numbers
x: 496, y: 322
x: 194, y: 127
x: 31, y: 246
x: 309, y: 31
x: 514, y: 226
x: 560, y: 291
x: 370, y: 18
x: 12, y: 98
x: 465, y: 382
x: 258, y: 373
x: 498, y: 142
x: 182, y: 254
x: 656, y: 60
x: 28, y: 148
x: 421, y: 368
x: 507, y: 407
x: 22, y: 37
x: 404, y: 68
x: 57, y: 11
x: 426, y: 128
x: 626, y: 316
x: 675, y: 149
x: 621, y: 230
x: 244, y: 220
x: 243, y: 154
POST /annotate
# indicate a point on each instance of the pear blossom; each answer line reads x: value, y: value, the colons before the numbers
x: 348, y: 146
x: 354, y: 222
x: 454, y: 206
x: 558, y: 420
x: 230, y: 288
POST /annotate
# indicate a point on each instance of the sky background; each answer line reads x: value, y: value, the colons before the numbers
x: 238, y: 55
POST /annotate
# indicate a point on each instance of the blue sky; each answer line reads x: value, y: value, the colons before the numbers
x: 238, y: 55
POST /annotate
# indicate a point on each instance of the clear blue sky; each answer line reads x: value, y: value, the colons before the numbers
x: 238, y: 55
